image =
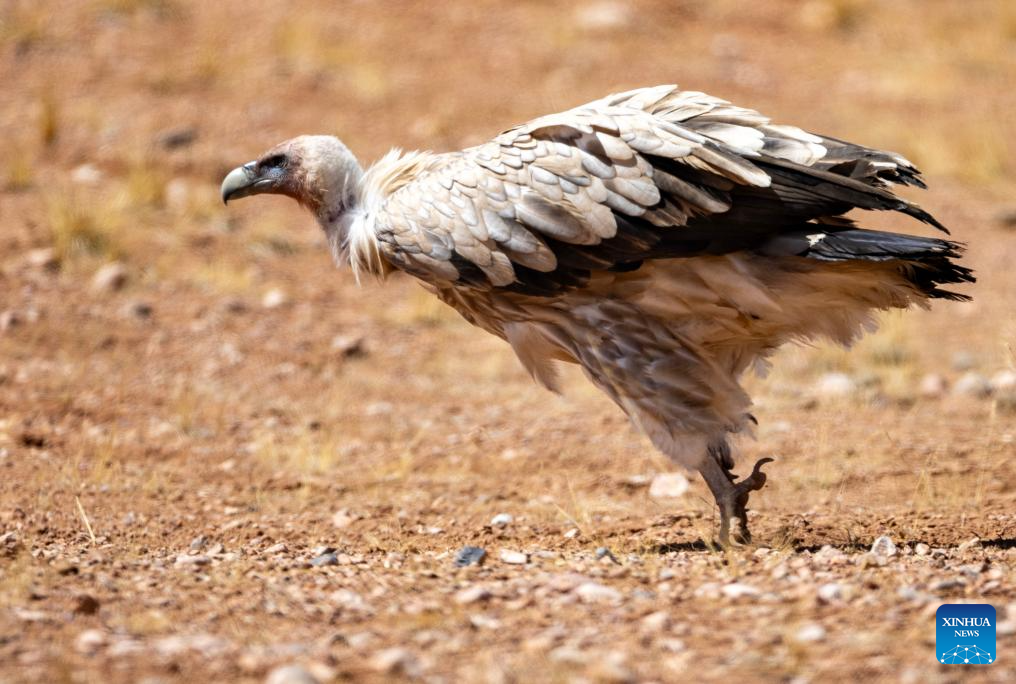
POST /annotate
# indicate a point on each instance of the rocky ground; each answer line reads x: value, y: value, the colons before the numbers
x: 222, y: 460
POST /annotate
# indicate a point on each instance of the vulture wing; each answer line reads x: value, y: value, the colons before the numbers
x: 648, y: 174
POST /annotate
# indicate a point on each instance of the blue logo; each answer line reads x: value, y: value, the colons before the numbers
x: 965, y: 634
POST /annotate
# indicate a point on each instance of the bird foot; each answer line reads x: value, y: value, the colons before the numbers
x: 732, y: 499
x: 755, y: 481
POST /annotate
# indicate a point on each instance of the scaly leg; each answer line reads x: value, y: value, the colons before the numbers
x: 732, y: 497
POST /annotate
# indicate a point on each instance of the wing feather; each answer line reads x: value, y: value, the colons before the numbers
x: 651, y: 173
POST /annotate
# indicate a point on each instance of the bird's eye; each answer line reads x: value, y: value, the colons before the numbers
x: 276, y: 161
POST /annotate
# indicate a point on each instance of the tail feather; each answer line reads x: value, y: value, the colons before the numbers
x: 925, y: 262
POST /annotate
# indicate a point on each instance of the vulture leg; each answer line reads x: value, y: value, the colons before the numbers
x: 732, y: 496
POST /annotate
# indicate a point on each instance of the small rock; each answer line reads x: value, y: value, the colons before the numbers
x: 603, y: 553
x: 883, y: 547
x: 738, y: 590
x: 90, y: 641
x: 668, y: 486
x: 173, y: 138
x: 973, y: 543
x: 348, y: 346
x: 830, y: 592
x: 572, y: 533
x: 138, y: 309
x: 470, y: 555
x: 947, y: 584
x: 86, y: 174
x: 972, y: 384
x: 110, y: 278
x: 327, y: 558
x: 396, y: 661
x: 1003, y: 382
x: 198, y: 542
x: 274, y: 298
x: 501, y: 520
x: 86, y: 604
x: 656, y: 622
x: 933, y: 386
x: 43, y: 258
x: 275, y: 548
x: 513, y: 557
x: 605, y: 15
x: 612, y: 667
x: 342, y: 519
x: 835, y: 385
x: 472, y: 594
x: 186, y: 559
x: 9, y: 319
x: 290, y: 674
x: 963, y: 361
x: 594, y: 592
x: 922, y: 549
x: 177, y: 194
x: 810, y: 633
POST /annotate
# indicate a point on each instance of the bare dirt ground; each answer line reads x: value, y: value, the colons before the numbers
x: 180, y: 438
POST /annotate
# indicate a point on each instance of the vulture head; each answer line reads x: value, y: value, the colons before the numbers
x: 318, y: 171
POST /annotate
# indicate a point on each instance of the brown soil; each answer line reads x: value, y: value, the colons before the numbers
x: 173, y: 452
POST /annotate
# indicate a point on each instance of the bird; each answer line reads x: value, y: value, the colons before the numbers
x: 666, y: 241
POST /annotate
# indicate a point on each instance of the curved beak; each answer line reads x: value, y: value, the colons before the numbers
x: 243, y: 181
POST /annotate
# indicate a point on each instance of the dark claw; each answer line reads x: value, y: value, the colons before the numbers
x: 757, y: 479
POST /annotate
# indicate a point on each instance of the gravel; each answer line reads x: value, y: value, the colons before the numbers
x: 884, y: 547
x: 470, y: 555
x: 501, y: 520
x: 109, y: 278
x: 290, y: 674
x: 513, y: 557
x: 328, y: 558
x: 668, y: 486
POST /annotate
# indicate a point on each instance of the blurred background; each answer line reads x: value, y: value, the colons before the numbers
x: 170, y: 367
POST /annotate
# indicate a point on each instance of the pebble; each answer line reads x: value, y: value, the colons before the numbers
x: 933, y: 385
x: 973, y: 543
x: 9, y: 319
x: 110, y: 278
x: 668, y: 486
x: 86, y: 604
x: 884, y: 547
x: 603, y: 552
x: 396, y: 660
x: 594, y: 592
x: 922, y: 549
x: 810, y: 633
x: 274, y: 298
x: 275, y: 548
x: 348, y: 346
x: 186, y: 559
x: 470, y: 555
x: 830, y: 592
x: 290, y: 674
x: 572, y: 533
x: 513, y: 557
x: 1004, y: 381
x: 198, y: 542
x: 656, y: 622
x: 501, y: 520
x: 472, y: 594
x: 44, y: 258
x: 90, y: 641
x: 835, y: 385
x: 138, y: 309
x: 738, y: 590
x: 86, y: 174
x: 328, y: 558
x: 972, y: 384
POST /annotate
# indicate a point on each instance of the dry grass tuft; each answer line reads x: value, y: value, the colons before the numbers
x: 78, y: 228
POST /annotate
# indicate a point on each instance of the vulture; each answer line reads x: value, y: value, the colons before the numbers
x: 666, y: 241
